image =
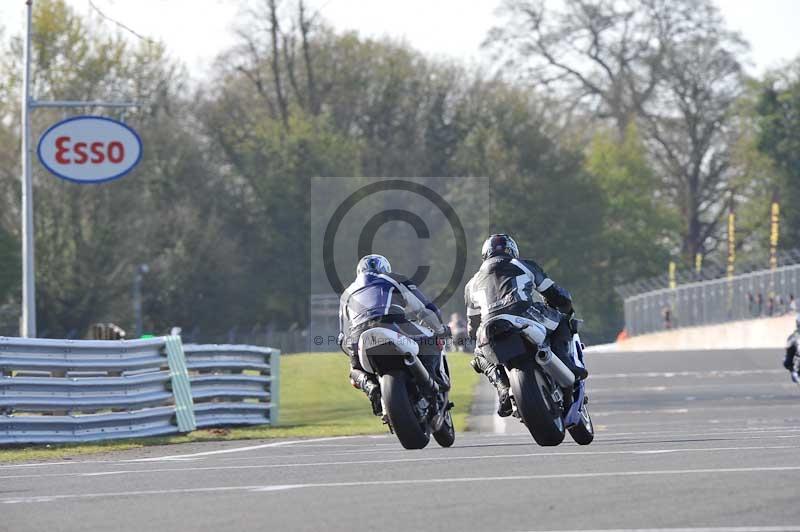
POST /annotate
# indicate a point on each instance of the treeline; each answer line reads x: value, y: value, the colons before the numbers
x: 616, y: 136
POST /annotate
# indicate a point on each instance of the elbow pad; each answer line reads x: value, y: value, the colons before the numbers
x: 559, y: 298
x: 474, y: 323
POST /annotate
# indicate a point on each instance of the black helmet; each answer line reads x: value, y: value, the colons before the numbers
x: 500, y: 244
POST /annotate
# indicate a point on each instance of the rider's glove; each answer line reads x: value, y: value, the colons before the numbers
x: 573, y: 323
x: 340, y: 342
x: 445, y: 332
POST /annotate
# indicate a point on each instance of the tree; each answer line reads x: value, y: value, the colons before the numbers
x: 541, y: 195
x: 639, y: 228
x: 10, y: 267
x: 778, y: 111
x: 609, y: 54
x: 692, y: 134
x: 89, y: 239
x: 670, y: 66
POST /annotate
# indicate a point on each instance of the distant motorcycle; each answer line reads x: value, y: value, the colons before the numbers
x: 414, y: 406
x: 544, y: 392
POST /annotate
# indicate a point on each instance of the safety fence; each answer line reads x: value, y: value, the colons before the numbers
x: 752, y: 295
x: 58, y: 391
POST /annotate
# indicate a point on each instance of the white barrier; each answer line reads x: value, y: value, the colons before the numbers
x: 767, y: 333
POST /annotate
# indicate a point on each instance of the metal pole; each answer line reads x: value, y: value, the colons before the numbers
x: 28, y: 319
x: 138, y: 274
x: 78, y: 103
x: 28, y: 322
x: 137, y: 303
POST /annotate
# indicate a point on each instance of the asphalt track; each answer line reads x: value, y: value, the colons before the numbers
x: 693, y: 441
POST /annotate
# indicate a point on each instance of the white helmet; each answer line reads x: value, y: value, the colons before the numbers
x: 373, y: 263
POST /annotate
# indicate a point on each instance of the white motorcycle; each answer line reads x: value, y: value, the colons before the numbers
x: 414, y: 405
x: 545, y: 394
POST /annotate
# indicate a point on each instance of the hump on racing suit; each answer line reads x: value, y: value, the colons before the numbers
x: 383, y: 297
x: 506, y: 285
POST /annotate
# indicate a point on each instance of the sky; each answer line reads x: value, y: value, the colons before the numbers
x: 197, y: 30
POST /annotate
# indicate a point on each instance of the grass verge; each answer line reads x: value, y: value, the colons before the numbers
x: 316, y: 401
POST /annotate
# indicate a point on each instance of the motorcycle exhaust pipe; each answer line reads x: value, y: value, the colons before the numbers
x: 555, y: 368
x: 421, y: 374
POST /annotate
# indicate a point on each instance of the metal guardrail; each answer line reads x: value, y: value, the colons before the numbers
x: 223, y: 394
x: 710, y: 271
x: 748, y: 296
x: 54, y: 391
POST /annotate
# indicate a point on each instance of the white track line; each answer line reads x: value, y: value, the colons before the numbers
x: 684, y: 424
x: 442, y: 458
x: 284, y: 487
x: 691, y: 529
x: 640, y: 412
x: 470, y: 439
x: 765, y: 432
x: 673, y: 374
x: 178, y: 457
x: 674, y: 388
x: 238, y: 449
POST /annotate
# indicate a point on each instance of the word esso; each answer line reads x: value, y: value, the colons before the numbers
x: 90, y: 149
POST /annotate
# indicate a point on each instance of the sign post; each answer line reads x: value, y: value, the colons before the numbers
x: 774, y: 234
x: 89, y: 149
x: 28, y: 321
x: 28, y: 318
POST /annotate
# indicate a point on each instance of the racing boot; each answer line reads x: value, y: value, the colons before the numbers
x: 367, y: 384
x: 497, y: 376
x: 579, y: 371
x: 788, y: 360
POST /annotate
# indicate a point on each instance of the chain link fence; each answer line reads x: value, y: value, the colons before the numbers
x: 751, y: 295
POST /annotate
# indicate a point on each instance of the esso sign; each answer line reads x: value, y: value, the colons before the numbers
x: 90, y: 149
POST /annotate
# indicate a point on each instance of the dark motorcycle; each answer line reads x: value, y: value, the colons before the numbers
x: 414, y: 405
x: 544, y: 392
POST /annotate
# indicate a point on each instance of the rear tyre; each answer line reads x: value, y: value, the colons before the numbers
x: 541, y: 415
x: 583, y: 432
x: 446, y: 435
x: 406, y: 426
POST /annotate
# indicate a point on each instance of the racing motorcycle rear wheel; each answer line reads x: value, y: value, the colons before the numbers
x: 583, y: 432
x: 533, y: 395
x: 446, y: 435
x: 411, y: 433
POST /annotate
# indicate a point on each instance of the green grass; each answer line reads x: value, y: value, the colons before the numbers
x: 316, y: 400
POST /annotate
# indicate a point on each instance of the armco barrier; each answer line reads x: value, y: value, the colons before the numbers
x: 54, y: 391
x: 224, y: 394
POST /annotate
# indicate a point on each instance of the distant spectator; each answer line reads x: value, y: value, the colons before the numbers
x: 667, y: 314
x: 770, y: 305
x: 779, y: 305
x: 459, y: 329
x: 751, y: 304
x: 759, y: 304
x: 791, y: 307
x: 106, y: 331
